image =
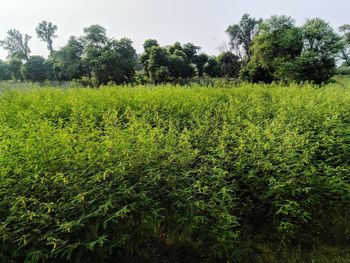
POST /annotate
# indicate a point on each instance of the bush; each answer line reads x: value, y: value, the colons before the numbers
x: 36, y: 69
x: 171, y: 174
x: 343, y: 70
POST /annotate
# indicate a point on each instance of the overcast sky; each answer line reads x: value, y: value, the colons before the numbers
x: 202, y: 22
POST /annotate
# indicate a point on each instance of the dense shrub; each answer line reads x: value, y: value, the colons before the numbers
x: 37, y: 69
x: 343, y: 70
x: 5, y: 71
x: 187, y: 174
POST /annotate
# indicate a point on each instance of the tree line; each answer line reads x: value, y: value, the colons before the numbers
x: 274, y: 49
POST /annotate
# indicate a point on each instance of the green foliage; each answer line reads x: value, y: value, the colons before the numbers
x: 345, y: 41
x: 5, y: 71
x: 115, y: 62
x: 46, y: 32
x: 309, y: 66
x: 320, y: 37
x: 200, y: 60
x: 242, y: 34
x: 67, y: 62
x: 180, y: 63
x: 317, y: 62
x: 156, y: 63
x: 212, y: 67
x: 277, y: 45
x: 343, y: 70
x: 170, y: 174
x: 95, y: 36
x: 164, y: 64
x: 271, y: 50
x: 284, y: 52
x: 36, y: 69
x: 15, y: 66
x: 229, y: 64
x: 16, y: 44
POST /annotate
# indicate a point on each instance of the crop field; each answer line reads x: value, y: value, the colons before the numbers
x: 249, y: 173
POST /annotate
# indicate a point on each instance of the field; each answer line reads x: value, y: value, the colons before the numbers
x: 249, y: 173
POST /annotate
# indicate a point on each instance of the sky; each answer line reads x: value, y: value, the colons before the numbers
x: 202, y: 22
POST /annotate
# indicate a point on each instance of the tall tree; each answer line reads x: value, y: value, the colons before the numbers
x: 95, y: 36
x: 46, y: 33
x: 116, y: 62
x: 322, y: 45
x: 36, y: 69
x: 212, y: 67
x: 181, y: 60
x: 242, y: 34
x: 200, y: 60
x: 278, y: 43
x: 156, y: 61
x: 16, y: 44
x: 94, y: 40
x: 67, y: 62
x: 5, y: 72
x: 229, y: 64
x: 320, y: 37
x: 284, y: 52
x: 158, y: 64
x: 345, y: 51
x: 15, y: 65
x: 191, y: 51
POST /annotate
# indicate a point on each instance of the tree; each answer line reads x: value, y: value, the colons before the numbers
x: 320, y: 37
x: 284, y: 52
x: 191, y: 51
x: 180, y: 66
x: 174, y: 47
x: 278, y: 43
x: 345, y: 50
x: 229, y: 64
x: 158, y: 64
x: 212, y: 67
x: 36, y: 69
x: 15, y: 66
x: 95, y: 36
x: 317, y: 61
x: 311, y: 67
x: 149, y: 43
x: 200, y: 61
x: 67, y: 62
x: 16, y: 44
x: 144, y: 58
x: 163, y: 64
x: 46, y: 33
x: 345, y: 40
x: 160, y: 75
x: 5, y: 72
x: 241, y: 36
x: 116, y: 62
x: 180, y: 60
x: 94, y: 40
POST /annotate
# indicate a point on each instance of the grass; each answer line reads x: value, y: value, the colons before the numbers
x: 254, y: 173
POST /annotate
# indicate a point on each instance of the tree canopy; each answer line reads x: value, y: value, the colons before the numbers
x: 284, y: 52
x: 242, y: 34
x: 16, y: 44
x: 274, y: 49
x: 46, y: 32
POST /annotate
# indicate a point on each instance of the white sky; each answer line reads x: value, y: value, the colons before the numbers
x: 202, y: 22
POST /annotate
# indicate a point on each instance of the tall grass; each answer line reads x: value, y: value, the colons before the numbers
x: 172, y: 174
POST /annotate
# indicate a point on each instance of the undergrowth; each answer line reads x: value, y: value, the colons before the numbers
x: 173, y: 174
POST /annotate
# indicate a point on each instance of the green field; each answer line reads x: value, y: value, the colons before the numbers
x: 249, y: 173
